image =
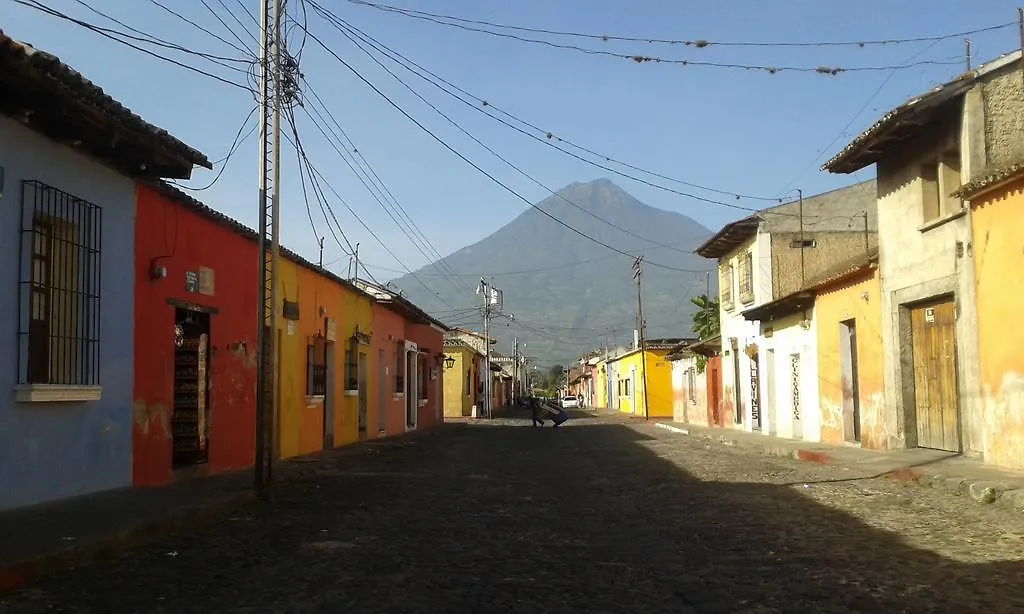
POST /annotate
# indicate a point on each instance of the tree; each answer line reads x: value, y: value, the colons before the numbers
x: 705, y: 322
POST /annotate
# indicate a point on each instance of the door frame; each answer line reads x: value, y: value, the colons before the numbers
x: 908, y: 371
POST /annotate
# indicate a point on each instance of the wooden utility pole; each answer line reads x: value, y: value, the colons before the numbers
x: 637, y: 274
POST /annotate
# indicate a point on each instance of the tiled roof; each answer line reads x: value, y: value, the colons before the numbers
x: 990, y: 180
x: 907, y: 118
x: 183, y: 199
x: 54, y: 99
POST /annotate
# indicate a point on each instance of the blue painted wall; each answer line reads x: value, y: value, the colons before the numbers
x: 52, y: 451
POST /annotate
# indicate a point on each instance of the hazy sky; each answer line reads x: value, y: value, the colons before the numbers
x: 737, y: 130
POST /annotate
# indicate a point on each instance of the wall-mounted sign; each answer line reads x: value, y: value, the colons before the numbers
x: 290, y: 310
x: 191, y: 281
x: 205, y: 281
x: 929, y: 315
x: 331, y: 327
x: 291, y: 327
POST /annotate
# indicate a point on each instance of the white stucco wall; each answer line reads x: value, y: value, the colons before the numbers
x: 789, y: 337
x: 735, y: 326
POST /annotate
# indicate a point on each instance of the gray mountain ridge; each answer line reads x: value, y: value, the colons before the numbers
x: 567, y: 293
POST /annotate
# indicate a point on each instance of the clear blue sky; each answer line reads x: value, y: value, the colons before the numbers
x: 743, y: 131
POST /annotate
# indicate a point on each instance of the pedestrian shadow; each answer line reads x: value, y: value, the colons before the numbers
x: 594, y: 518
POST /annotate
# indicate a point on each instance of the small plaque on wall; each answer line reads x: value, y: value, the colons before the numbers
x: 206, y: 281
x: 332, y: 330
x: 191, y: 281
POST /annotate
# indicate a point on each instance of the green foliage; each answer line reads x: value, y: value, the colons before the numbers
x: 706, y: 322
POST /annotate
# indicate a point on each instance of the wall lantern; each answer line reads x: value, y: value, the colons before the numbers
x: 448, y: 361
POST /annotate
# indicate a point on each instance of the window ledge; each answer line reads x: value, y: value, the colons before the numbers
x: 55, y: 393
x: 422, y: 402
x: 399, y: 395
x: 941, y: 220
x: 313, y: 399
x: 728, y: 305
x: 746, y: 298
x: 351, y: 393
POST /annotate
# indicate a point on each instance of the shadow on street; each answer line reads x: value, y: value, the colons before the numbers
x: 498, y: 517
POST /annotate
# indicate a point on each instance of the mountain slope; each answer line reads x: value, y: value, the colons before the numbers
x: 567, y: 292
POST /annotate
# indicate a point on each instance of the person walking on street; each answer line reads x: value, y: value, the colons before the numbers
x: 535, y: 412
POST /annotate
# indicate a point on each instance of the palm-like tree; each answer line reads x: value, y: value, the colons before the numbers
x: 705, y: 320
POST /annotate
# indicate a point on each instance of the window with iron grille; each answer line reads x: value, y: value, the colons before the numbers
x: 351, y: 368
x: 316, y: 367
x: 747, y: 278
x: 399, y: 367
x: 59, y: 288
x: 422, y: 376
x: 725, y: 283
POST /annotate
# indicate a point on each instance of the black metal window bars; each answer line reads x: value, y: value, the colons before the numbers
x: 316, y: 366
x: 59, y: 288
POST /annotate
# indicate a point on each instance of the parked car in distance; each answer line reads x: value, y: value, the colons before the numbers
x: 570, y: 401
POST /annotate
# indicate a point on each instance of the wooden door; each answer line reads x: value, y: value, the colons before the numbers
x: 933, y: 329
x: 714, y: 383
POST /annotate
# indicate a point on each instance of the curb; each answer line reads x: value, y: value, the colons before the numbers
x: 669, y: 427
x: 979, y: 490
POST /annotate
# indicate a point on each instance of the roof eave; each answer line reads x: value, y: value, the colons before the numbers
x: 780, y: 308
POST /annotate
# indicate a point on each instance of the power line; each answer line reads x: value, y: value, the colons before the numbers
x: 502, y: 158
x: 243, y: 49
x: 317, y: 173
x: 32, y: 4
x: 217, y: 59
x: 340, y: 151
x: 699, y: 43
x: 405, y: 61
x: 645, y: 59
x: 299, y: 153
x: 546, y: 141
x: 235, y: 144
x: 475, y: 165
x: 382, y: 188
x: 867, y: 102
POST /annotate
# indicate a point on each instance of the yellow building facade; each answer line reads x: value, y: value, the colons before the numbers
x: 601, y: 384
x: 848, y: 314
x: 635, y: 392
x: 460, y: 380
x: 320, y: 314
x: 997, y: 219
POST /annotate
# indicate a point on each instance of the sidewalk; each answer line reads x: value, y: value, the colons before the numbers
x: 938, y: 469
x: 44, y: 538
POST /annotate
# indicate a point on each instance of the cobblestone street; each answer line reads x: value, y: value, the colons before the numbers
x: 597, y: 516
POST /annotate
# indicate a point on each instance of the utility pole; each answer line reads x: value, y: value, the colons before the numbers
x: 321, y: 263
x: 637, y: 274
x: 269, y: 245
x: 356, y: 261
x: 707, y: 303
x: 515, y: 369
x: 967, y: 53
x: 803, y: 279
x: 492, y: 297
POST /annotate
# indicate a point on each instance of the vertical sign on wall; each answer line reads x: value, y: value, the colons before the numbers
x: 191, y: 281
x: 755, y: 397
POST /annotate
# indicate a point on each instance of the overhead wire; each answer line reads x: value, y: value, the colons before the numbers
x: 33, y: 4
x: 405, y: 62
x: 326, y: 132
x: 474, y: 165
x: 241, y: 49
x: 369, y: 230
x: 699, y: 43
x: 235, y: 144
x: 644, y: 59
x: 429, y: 251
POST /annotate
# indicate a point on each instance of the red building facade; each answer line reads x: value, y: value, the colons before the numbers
x: 195, y: 323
